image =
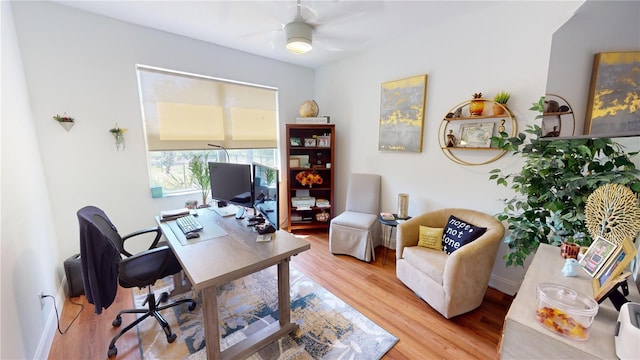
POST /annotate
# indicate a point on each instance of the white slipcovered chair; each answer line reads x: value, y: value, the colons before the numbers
x: 356, y: 231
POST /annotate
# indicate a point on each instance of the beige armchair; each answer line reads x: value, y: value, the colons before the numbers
x: 452, y: 284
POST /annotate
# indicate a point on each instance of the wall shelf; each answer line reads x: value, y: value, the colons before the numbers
x: 467, y: 127
x: 555, y: 123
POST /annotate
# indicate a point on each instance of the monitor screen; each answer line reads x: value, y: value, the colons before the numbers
x: 265, y: 193
x: 231, y: 183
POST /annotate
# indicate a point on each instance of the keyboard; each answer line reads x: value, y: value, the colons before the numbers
x: 188, y: 224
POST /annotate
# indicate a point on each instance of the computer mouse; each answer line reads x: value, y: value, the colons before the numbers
x: 192, y: 235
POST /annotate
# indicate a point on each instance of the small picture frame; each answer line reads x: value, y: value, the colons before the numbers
x: 324, y: 141
x: 303, y: 160
x: 294, y: 163
x: 597, y: 255
x: 309, y: 142
x: 476, y: 135
x: 612, y: 272
x: 295, y: 141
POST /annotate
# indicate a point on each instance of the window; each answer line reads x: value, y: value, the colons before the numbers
x: 170, y: 169
x: 184, y: 114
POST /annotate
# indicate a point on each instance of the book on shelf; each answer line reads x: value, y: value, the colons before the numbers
x: 387, y: 216
x: 313, y: 120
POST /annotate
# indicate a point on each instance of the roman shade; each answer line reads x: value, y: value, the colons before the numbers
x: 184, y: 111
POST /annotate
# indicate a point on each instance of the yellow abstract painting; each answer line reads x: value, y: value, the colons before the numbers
x: 402, y: 104
x: 614, y: 99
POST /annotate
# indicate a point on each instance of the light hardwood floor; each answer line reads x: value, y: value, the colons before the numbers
x: 372, y: 289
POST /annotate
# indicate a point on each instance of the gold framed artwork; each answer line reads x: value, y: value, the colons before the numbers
x: 613, y: 95
x: 612, y: 272
x: 402, y: 106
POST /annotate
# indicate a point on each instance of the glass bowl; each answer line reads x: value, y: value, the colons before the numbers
x: 565, y: 311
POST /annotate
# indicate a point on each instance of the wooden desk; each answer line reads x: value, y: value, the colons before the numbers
x: 216, y: 261
x: 524, y: 338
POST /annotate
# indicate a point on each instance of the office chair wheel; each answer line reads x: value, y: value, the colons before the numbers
x: 163, y: 297
x: 113, y: 351
x: 171, y: 338
x: 116, y: 322
x: 192, y: 306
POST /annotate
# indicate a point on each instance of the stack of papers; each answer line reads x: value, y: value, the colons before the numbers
x: 323, y: 203
x: 167, y: 215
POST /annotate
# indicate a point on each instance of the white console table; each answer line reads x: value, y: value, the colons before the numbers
x: 524, y: 338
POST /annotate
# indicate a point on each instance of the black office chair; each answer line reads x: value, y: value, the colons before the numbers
x: 105, y: 263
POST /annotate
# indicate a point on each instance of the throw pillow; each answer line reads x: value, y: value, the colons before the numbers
x: 430, y: 237
x: 458, y: 233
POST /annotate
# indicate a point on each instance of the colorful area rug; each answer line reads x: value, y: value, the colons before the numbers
x: 329, y: 328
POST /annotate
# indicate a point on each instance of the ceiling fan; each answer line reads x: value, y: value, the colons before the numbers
x: 332, y: 23
x: 299, y: 34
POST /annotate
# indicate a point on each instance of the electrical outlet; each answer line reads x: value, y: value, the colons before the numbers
x: 41, y: 299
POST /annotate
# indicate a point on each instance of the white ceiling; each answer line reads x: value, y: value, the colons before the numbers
x: 341, y: 28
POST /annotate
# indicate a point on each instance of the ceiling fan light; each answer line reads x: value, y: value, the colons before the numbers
x: 299, y: 45
x: 299, y: 35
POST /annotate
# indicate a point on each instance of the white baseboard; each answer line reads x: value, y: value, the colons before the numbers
x: 507, y: 286
x: 51, y: 326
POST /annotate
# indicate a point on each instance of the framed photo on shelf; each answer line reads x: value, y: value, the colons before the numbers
x: 476, y: 135
x: 294, y: 163
x: 597, y: 255
x: 303, y: 160
x: 295, y: 141
x: 612, y: 272
x: 309, y: 142
x: 324, y: 141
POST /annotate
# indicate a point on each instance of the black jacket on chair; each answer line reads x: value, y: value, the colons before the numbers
x: 98, y: 259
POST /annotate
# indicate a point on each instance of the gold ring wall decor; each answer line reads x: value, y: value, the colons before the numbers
x: 466, y: 139
x: 612, y: 212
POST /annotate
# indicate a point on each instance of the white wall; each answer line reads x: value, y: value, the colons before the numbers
x: 28, y: 247
x: 500, y: 46
x: 84, y: 65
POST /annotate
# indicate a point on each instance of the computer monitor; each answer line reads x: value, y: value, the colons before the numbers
x: 265, y: 193
x: 231, y: 183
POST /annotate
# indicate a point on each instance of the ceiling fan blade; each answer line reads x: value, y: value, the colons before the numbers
x: 337, y: 12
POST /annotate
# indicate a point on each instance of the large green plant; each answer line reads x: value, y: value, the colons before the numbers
x: 552, y: 187
x: 199, y: 169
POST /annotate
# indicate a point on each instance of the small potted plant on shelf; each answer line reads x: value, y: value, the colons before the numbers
x: 501, y: 102
x: 476, y: 106
x: 65, y: 121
